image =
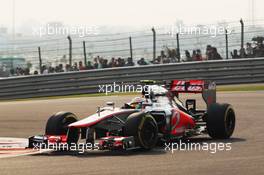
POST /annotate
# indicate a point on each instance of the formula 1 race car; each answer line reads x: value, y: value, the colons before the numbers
x: 156, y: 116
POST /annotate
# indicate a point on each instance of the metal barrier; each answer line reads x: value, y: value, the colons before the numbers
x: 222, y: 71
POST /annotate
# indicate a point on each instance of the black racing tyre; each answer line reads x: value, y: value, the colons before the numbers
x: 144, y: 129
x: 58, y: 123
x: 220, y: 121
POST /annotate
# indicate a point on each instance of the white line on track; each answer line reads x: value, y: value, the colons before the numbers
x: 15, y: 147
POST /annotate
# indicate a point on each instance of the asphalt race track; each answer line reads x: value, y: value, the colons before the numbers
x: 26, y: 118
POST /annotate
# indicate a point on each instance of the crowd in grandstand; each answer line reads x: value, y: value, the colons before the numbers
x: 20, y: 71
x: 170, y: 56
x: 249, y: 51
x: 210, y: 54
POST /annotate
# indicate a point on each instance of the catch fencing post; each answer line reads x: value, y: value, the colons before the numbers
x: 131, y: 49
x: 40, y: 60
x: 154, y: 43
x: 226, y: 38
x: 242, y: 33
x: 70, y: 50
x: 178, y: 48
x: 84, y: 54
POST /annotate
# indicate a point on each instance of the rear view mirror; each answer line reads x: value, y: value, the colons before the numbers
x: 110, y: 103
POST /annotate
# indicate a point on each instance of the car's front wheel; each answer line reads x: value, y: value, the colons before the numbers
x: 144, y: 129
x: 58, y: 123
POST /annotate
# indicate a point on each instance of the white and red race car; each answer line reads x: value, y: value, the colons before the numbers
x: 157, y: 115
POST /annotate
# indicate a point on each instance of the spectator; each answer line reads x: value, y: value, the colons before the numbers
x: 60, y: 68
x: 96, y: 64
x: 120, y: 62
x: 142, y: 62
x: 194, y: 55
x: 129, y: 62
x: 81, y: 66
x: 173, y: 56
x: 249, y: 50
x: 75, y: 67
x: 44, y: 70
x: 68, y: 68
x: 188, y: 56
x: 215, y: 54
x: 100, y: 63
x: 12, y: 72
x: 259, y: 50
x: 52, y: 70
x: 162, y: 56
x: 234, y: 54
x: 112, y: 62
x: 26, y: 71
x: 242, y: 53
x: 104, y: 63
x: 198, y: 56
x: 209, y: 52
x: 89, y: 65
x: 157, y: 60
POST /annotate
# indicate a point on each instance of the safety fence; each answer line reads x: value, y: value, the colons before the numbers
x: 84, y: 82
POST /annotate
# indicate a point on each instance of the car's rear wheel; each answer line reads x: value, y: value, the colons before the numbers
x: 144, y: 129
x: 58, y: 123
x: 220, y: 121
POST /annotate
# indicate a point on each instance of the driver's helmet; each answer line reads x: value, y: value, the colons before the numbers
x: 136, y: 102
x: 154, y: 91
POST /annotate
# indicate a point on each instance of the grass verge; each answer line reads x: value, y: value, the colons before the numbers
x: 223, y: 88
x: 244, y: 87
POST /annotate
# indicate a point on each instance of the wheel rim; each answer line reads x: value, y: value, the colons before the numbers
x: 149, y: 133
x: 230, y: 121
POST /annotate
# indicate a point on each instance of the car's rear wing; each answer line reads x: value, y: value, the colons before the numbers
x: 187, y: 86
x: 206, y: 88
